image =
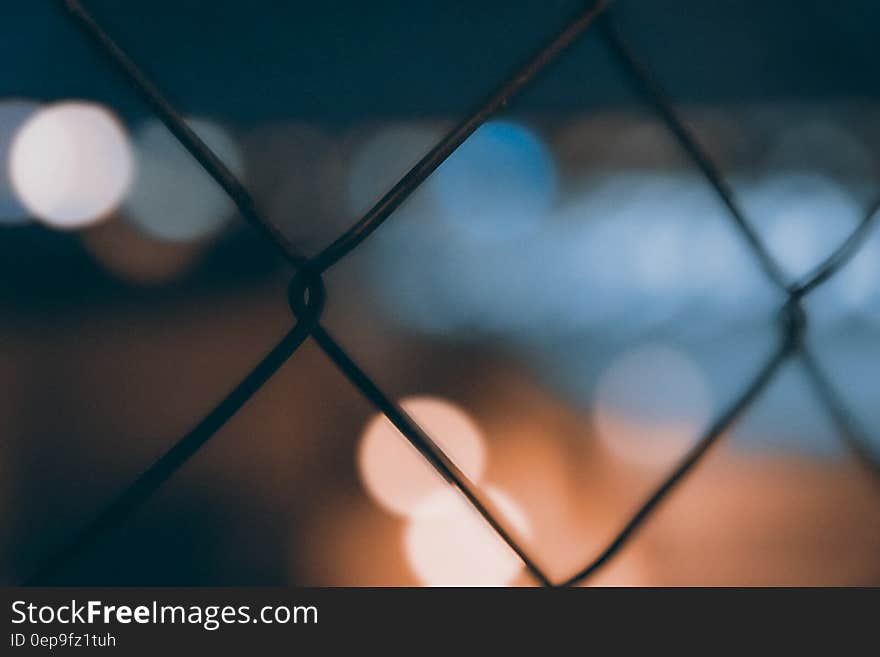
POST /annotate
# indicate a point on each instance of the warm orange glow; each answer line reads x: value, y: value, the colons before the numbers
x: 448, y: 543
x: 396, y: 475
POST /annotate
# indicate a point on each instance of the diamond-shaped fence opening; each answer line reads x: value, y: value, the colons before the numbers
x: 306, y: 296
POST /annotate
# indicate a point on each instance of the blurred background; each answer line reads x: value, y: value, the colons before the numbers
x: 565, y: 305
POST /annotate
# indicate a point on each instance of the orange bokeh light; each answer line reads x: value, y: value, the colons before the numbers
x: 396, y: 475
x: 448, y: 543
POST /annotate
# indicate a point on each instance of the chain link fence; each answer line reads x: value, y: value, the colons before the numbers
x: 306, y: 294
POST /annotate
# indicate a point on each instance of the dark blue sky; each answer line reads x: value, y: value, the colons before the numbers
x: 344, y: 61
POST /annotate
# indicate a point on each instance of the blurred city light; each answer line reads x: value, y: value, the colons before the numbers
x: 628, y: 250
x: 608, y: 271
x: 500, y: 184
x: 395, y: 475
x: 71, y: 164
x: 651, y: 404
x: 853, y: 294
x: 448, y: 543
x: 803, y: 216
x: 173, y: 197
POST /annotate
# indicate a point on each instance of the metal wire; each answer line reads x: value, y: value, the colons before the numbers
x: 149, y: 482
x: 697, y: 452
x: 796, y: 291
x: 306, y: 298
x: 456, y: 137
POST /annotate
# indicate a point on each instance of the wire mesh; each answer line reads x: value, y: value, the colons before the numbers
x: 306, y: 295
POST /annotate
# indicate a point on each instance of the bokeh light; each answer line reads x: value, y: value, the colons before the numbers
x: 173, y: 197
x: 449, y: 544
x: 651, y: 404
x: 630, y: 250
x: 568, y: 284
x: 13, y: 114
x: 392, y: 470
x: 806, y: 216
x: 499, y: 184
x: 71, y: 164
x: 631, y: 253
x: 854, y: 292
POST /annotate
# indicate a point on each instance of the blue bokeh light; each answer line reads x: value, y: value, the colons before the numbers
x: 500, y: 184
